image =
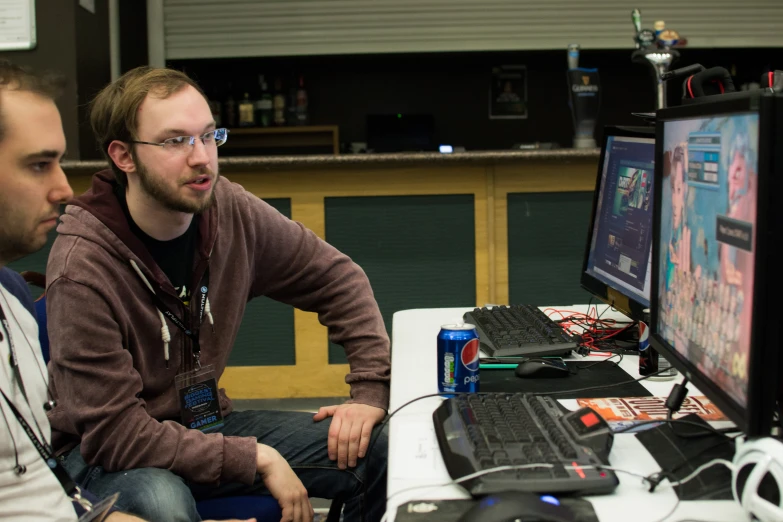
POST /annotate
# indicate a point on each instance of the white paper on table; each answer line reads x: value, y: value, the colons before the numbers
x: 422, y: 452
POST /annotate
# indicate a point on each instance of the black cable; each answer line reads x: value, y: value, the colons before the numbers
x: 673, y: 405
x: 380, y: 431
x: 18, y: 468
x: 451, y: 394
x: 725, y: 440
x: 602, y: 386
x: 706, y: 427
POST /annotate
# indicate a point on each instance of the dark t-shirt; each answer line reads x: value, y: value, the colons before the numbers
x: 174, y: 257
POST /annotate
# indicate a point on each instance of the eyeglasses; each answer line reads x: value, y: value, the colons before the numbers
x: 184, y: 144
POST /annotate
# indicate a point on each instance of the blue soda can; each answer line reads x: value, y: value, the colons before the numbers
x: 458, y: 358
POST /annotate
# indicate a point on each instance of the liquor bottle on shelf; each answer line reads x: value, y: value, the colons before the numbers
x: 279, y: 103
x: 290, y: 102
x: 302, y: 116
x: 230, y: 109
x: 247, y: 112
x: 264, y: 109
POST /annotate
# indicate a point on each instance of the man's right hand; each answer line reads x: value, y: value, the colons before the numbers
x: 284, y: 485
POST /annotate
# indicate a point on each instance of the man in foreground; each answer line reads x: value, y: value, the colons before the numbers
x: 32, y: 187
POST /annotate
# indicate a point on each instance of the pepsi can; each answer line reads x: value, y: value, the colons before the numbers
x: 648, y: 357
x: 458, y: 358
x: 650, y: 361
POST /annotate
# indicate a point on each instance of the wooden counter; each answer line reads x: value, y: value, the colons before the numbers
x: 399, y: 216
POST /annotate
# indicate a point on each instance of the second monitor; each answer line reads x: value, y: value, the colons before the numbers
x: 617, y: 263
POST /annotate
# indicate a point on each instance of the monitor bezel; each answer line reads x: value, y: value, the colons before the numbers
x: 634, y: 310
x: 763, y: 362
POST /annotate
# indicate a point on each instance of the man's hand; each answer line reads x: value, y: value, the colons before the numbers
x: 284, y: 485
x: 349, y: 434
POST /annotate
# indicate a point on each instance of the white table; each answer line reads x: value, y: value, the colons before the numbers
x: 416, y: 470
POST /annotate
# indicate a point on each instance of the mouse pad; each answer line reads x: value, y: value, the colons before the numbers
x: 599, y: 374
x: 451, y: 510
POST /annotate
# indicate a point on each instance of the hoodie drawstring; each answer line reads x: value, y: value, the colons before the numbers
x: 164, y: 328
x: 208, y: 311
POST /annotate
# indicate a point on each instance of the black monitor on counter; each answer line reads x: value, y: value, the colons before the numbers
x: 716, y: 275
x: 617, y: 260
x: 401, y: 132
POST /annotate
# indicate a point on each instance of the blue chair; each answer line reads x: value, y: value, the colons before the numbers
x: 260, y: 507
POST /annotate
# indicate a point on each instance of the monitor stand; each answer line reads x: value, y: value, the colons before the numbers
x: 682, y: 455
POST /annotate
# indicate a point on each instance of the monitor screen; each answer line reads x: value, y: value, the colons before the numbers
x: 706, y: 245
x: 620, y: 248
x: 401, y: 133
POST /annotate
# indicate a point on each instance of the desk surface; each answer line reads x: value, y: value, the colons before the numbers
x: 416, y: 468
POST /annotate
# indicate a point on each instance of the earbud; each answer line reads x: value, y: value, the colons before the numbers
x: 20, y: 469
x: 49, y: 405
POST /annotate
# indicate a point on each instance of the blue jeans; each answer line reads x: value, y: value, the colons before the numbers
x: 160, y: 495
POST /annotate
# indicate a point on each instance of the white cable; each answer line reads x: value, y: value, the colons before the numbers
x: 468, y: 477
x: 505, y: 468
x: 477, y: 474
x: 701, y: 468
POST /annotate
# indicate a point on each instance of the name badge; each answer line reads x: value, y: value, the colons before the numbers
x: 199, y: 402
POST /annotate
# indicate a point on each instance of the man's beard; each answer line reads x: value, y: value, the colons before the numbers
x: 15, y: 244
x: 160, y: 192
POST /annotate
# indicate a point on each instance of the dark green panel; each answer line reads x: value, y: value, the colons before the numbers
x: 418, y: 251
x: 266, y: 336
x: 547, y: 235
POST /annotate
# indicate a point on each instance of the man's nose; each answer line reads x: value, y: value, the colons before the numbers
x: 61, y: 191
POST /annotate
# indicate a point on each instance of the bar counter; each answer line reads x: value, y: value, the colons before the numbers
x: 430, y: 230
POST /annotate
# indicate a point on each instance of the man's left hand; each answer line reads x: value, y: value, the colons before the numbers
x: 349, y: 434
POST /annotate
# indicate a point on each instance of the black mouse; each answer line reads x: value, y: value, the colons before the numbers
x: 542, y: 368
x: 511, y: 506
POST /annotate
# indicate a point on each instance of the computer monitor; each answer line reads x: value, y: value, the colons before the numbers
x: 618, y: 256
x: 401, y: 133
x: 715, y: 283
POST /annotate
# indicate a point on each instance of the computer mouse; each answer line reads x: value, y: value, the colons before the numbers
x: 542, y: 368
x: 512, y: 506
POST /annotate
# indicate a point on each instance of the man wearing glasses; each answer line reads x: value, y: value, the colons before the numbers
x: 147, y: 285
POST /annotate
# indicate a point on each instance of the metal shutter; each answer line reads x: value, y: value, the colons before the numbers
x: 236, y: 28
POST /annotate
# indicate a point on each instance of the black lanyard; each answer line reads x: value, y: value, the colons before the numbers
x: 45, y: 450
x: 187, y: 327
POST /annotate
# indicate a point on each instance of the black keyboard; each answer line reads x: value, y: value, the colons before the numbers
x: 519, y: 330
x: 483, y: 431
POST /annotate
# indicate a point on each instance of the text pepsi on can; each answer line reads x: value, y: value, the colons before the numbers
x: 458, y: 358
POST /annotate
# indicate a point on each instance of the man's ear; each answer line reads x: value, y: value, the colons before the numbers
x: 120, y: 153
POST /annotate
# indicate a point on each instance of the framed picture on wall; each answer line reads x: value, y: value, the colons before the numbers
x: 17, y: 19
x: 508, y: 93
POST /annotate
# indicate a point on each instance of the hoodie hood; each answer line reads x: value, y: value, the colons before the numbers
x: 115, y: 235
x: 98, y: 216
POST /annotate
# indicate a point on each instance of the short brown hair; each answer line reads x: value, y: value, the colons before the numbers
x: 17, y: 78
x: 114, y: 111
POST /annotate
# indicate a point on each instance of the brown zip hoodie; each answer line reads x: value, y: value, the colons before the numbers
x: 108, y: 372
